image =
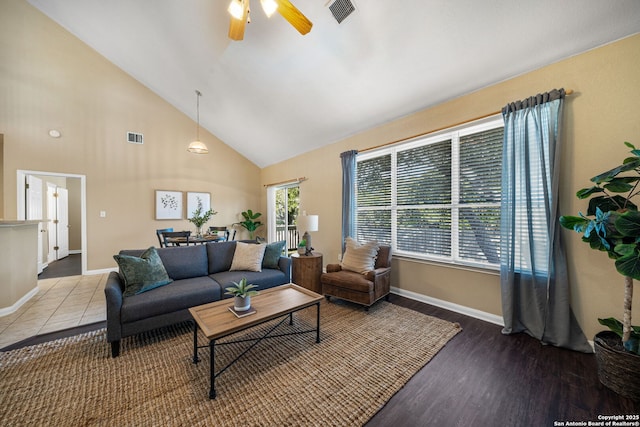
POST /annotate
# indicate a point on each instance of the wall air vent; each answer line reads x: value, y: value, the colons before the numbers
x: 341, y: 9
x: 135, y: 138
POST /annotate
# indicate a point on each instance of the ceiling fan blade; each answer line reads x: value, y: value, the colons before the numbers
x: 236, y: 26
x: 294, y: 16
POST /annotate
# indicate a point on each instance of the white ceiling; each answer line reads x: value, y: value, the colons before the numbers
x: 278, y: 94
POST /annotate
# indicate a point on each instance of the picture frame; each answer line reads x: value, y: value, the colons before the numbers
x: 192, y: 202
x: 168, y: 204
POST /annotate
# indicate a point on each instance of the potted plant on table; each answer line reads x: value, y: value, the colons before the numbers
x: 250, y: 222
x: 242, y: 293
x: 200, y: 218
x: 612, y: 225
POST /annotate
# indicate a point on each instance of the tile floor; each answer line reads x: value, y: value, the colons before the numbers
x: 60, y: 303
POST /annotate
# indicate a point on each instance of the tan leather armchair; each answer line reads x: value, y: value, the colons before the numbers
x: 366, y: 288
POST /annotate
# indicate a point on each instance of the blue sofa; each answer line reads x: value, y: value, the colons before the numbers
x: 200, y: 274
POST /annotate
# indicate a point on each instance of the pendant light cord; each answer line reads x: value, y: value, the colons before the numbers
x: 198, y: 95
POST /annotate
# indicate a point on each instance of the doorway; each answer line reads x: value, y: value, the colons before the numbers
x: 75, y: 186
x: 286, y: 207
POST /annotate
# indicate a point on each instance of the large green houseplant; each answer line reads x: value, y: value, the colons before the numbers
x: 612, y: 225
x: 250, y: 222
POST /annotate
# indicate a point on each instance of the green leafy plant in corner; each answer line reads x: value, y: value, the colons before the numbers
x: 612, y: 225
x: 250, y: 222
x: 241, y: 289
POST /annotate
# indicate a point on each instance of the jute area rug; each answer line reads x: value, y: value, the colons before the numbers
x: 362, y: 360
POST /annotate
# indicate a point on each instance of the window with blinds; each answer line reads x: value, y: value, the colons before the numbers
x: 437, y: 197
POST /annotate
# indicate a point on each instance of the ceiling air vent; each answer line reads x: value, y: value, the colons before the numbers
x: 341, y: 9
x: 135, y: 138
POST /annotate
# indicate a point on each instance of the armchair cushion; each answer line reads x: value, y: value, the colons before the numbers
x: 348, y: 279
x: 359, y: 257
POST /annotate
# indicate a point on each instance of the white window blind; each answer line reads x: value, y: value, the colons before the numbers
x: 437, y: 197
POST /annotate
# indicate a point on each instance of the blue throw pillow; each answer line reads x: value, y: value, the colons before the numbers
x: 272, y: 254
x: 142, y: 273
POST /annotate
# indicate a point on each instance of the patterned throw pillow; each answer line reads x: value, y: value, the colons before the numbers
x: 272, y: 254
x: 248, y: 257
x: 142, y: 273
x: 359, y: 257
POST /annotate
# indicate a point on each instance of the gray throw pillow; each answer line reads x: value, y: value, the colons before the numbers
x: 142, y: 273
x: 272, y: 254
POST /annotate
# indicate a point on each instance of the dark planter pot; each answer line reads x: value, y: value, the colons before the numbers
x: 618, y: 369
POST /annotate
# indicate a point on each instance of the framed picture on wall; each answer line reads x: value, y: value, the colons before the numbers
x: 192, y: 202
x: 168, y: 204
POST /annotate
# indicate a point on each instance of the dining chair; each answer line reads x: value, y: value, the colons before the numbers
x: 215, y: 230
x: 166, y: 235
x: 159, y: 234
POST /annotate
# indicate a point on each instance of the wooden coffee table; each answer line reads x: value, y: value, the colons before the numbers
x: 216, y: 321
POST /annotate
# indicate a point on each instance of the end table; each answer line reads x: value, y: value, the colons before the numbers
x: 306, y: 271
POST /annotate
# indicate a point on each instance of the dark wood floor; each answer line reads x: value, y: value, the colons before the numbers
x: 484, y: 378
x: 67, y: 266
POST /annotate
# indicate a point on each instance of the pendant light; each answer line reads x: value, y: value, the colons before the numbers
x: 197, y: 146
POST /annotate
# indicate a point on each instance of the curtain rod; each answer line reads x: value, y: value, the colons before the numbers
x: 289, y: 181
x: 566, y: 92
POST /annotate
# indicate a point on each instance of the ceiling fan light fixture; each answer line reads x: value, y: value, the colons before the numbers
x: 236, y: 9
x: 269, y: 7
x: 198, y: 147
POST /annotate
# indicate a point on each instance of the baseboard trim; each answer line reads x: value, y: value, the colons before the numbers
x: 102, y: 271
x: 467, y: 311
x: 8, y: 310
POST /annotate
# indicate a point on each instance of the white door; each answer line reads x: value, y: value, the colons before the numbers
x: 52, y: 203
x: 62, y: 226
x: 34, y: 211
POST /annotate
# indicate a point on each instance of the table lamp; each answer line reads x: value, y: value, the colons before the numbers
x: 307, y: 223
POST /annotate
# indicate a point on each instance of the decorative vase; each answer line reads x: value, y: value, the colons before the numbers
x: 302, y: 250
x: 199, y: 232
x: 618, y: 369
x: 241, y: 303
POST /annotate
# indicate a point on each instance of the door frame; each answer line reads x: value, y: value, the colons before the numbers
x: 21, y: 175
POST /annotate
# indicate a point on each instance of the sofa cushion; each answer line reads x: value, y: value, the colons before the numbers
x: 359, y: 257
x: 268, y: 278
x: 220, y: 256
x: 248, y: 257
x: 143, y: 273
x: 181, y: 262
x: 272, y: 254
x: 179, y: 295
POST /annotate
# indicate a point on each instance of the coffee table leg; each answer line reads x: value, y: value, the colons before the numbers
x: 212, y: 391
x: 195, y: 342
x: 318, y: 323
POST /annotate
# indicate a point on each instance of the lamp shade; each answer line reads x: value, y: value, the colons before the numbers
x: 307, y: 223
x: 198, y: 148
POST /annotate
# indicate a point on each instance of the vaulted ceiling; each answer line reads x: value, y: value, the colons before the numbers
x: 278, y: 94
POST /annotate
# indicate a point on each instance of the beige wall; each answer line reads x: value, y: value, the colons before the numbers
x: 51, y: 80
x: 599, y: 117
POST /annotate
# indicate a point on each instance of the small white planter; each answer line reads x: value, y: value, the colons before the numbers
x: 241, y: 304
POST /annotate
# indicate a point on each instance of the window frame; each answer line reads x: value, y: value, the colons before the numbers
x: 454, y: 134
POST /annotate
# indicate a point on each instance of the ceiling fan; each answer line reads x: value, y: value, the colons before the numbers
x: 239, y: 11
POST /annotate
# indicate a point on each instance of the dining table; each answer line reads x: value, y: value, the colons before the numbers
x: 194, y: 240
